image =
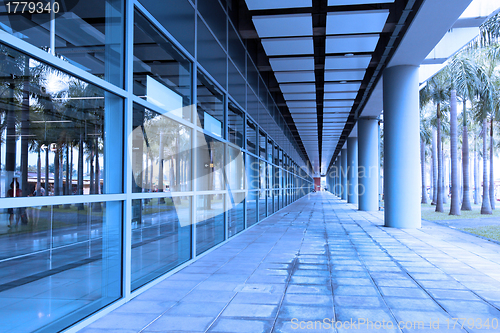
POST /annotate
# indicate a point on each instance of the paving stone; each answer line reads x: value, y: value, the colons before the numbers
x: 322, y: 258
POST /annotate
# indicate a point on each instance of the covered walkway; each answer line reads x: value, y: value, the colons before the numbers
x: 320, y: 258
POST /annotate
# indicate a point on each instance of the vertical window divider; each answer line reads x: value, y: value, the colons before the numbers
x: 245, y: 181
x: 194, y: 135
x: 127, y: 174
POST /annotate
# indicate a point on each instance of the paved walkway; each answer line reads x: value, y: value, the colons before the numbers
x: 320, y: 258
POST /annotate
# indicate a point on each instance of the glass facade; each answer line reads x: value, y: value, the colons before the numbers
x: 125, y: 157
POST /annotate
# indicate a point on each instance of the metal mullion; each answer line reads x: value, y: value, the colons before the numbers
x: 127, y: 175
x: 194, y: 134
x: 66, y: 67
x: 58, y: 200
x: 151, y: 195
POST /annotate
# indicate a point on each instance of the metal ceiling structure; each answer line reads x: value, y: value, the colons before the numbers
x: 322, y: 59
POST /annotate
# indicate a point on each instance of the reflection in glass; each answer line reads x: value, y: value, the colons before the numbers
x: 276, y: 201
x: 262, y: 205
x: 236, y: 217
x: 162, y: 75
x: 252, y: 201
x: 62, y: 266
x: 161, y: 237
x: 57, y: 131
x: 235, y: 122
x: 262, y: 145
x: 210, y: 106
x: 88, y: 34
x: 270, y: 202
x: 251, y: 138
x: 262, y: 174
x: 269, y: 151
x: 252, y: 172
x: 235, y: 169
x: 210, y: 221
x: 210, y: 164
x: 161, y: 153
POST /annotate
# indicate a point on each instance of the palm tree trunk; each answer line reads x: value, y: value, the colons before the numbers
x: 434, y: 168
x: 71, y: 171
x: 445, y: 179
x: 476, y: 171
x: 91, y: 160
x: 25, y: 116
x: 80, y: 170
x: 39, y: 171
x: 486, y: 204
x: 439, y: 200
x: 465, y: 162
x: 422, y: 166
x: 455, y: 183
x: 47, y: 183
x: 66, y: 185
x: 56, y: 170
x: 492, y: 176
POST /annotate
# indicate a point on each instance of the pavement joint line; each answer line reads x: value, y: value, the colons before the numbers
x: 421, y: 287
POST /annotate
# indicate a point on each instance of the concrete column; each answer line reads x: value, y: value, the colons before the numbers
x: 401, y: 147
x: 338, y: 178
x: 368, y: 164
x: 343, y: 174
x: 352, y: 170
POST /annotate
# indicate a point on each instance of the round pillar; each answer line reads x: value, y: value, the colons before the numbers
x: 352, y: 170
x: 343, y: 174
x: 368, y: 164
x: 401, y: 147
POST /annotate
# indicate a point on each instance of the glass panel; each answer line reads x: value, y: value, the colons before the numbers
x: 215, y: 17
x: 252, y: 167
x: 235, y: 169
x: 251, y: 138
x: 162, y: 75
x: 210, y: 54
x: 210, y: 106
x: 178, y: 22
x: 276, y: 201
x: 275, y: 155
x: 276, y: 178
x: 262, y: 145
x: 88, y: 34
x: 252, y: 207
x: 237, y: 86
x: 210, y: 221
x: 262, y: 204
x: 236, y: 218
x: 62, y: 267
x: 161, y: 237
x: 262, y: 174
x: 270, y: 151
x: 270, y: 202
x: 161, y: 153
x: 210, y: 164
x: 269, y: 175
x: 52, y: 137
x: 236, y: 123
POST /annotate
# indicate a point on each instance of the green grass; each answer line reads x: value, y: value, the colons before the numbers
x: 491, y: 232
x: 429, y: 213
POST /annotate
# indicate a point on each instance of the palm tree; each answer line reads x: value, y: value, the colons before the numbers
x: 425, y: 138
x: 439, y: 92
x: 455, y: 191
x: 483, y: 113
x: 464, y: 78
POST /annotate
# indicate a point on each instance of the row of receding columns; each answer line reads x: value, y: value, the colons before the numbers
x: 354, y: 177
